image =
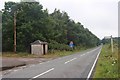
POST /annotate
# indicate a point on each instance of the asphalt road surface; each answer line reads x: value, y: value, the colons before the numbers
x: 79, y: 65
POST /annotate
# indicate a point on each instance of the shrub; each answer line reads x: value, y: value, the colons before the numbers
x: 53, y: 45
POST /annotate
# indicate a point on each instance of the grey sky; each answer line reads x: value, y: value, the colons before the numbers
x: 99, y: 16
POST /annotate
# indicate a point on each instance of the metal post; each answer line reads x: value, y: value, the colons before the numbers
x: 111, y: 44
x: 14, y: 32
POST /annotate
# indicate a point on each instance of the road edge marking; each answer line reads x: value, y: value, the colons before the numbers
x: 93, y: 65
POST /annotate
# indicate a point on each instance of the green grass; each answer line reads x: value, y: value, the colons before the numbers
x: 23, y: 55
x: 107, y: 65
x: 60, y: 54
x: 52, y: 54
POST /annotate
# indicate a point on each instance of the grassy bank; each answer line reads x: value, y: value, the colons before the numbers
x: 52, y: 54
x: 107, y: 66
x: 59, y: 54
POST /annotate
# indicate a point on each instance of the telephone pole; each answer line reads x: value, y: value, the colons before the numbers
x: 14, y: 32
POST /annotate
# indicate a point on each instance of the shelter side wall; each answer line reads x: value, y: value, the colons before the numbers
x: 46, y: 48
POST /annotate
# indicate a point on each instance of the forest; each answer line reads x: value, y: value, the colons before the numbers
x: 34, y: 23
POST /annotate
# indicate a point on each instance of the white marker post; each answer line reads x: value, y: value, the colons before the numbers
x: 111, y: 44
x: 110, y: 37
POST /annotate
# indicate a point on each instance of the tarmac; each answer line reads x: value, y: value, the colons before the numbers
x: 9, y: 63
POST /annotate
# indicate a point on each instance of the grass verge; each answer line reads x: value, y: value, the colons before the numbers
x: 53, y: 54
x: 107, y: 65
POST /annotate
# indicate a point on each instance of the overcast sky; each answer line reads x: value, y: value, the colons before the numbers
x: 99, y: 16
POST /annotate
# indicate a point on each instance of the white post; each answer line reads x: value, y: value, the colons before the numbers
x: 111, y: 44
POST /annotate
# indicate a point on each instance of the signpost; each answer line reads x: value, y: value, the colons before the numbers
x: 112, y: 43
x: 110, y: 37
x: 71, y: 44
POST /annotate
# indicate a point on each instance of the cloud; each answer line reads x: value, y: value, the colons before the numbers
x: 99, y: 16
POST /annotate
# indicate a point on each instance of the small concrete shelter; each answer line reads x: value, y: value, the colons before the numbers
x: 39, y: 48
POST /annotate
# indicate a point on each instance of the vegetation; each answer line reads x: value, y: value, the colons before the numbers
x: 51, y: 54
x: 119, y: 57
x: 34, y: 23
x: 107, y: 66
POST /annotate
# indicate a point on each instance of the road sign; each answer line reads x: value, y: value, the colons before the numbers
x: 107, y: 37
x: 71, y: 44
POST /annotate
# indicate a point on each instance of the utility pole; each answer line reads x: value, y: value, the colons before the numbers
x: 111, y: 43
x: 14, y: 32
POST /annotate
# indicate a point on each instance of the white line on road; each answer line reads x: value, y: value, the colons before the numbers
x: 15, y: 70
x: 40, y: 63
x: 9, y: 70
x: 42, y: 73
x: 82, y: 54
x: 93, y: 66
x: 88, y: 52
x: 32, y: 65
x: 23, y: 66
x: 93, y: 50
x: 59, y: 58
x: 70, y: 60
x: 48, y: 61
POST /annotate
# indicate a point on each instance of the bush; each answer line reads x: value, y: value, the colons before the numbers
x: 21, y: 48
x: 53, y: 45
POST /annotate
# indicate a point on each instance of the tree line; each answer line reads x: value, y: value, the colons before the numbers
x: 35, y: 23
x: 116, y: 40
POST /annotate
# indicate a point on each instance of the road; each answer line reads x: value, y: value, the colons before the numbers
x: 79, y: 65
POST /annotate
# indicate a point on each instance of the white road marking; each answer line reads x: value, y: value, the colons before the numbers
x: 59, y: 58
x: 42, y: 73
x: 15, y: 70
x: 32, y: 65
x: 91, y: 51
x: 40, y: 63
x: 93, y: 66
x: 48, y: 61
x: 9, y: 70
x: 82, y: 54
x: 70, y: 60
x: 23, y: 66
